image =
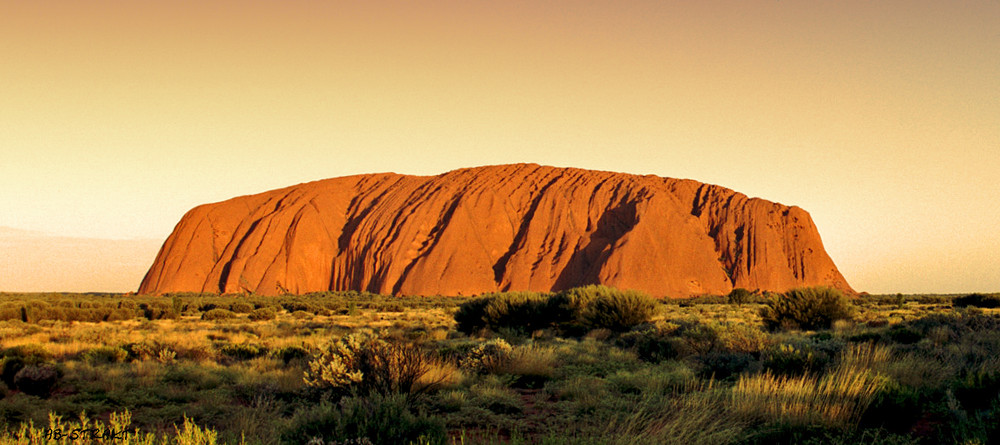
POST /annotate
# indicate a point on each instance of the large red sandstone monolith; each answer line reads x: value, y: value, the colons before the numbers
x: 496, y: 228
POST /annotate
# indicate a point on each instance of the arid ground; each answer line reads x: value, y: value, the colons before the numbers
x: 586, y: 366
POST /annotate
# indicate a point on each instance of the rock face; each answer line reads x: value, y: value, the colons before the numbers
x: 496, y: 228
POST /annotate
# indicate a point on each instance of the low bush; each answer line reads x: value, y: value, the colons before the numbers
x: 368, y: 364
x: 904, y: 335
x: 726, y: 365
x: 615, y: 310
x: 574, y: 312
x: 376, y: 419
x: 243, y: 351
x: 806, y: 308
x: 786, y: 359
x: 157, y: 310
x: 241, y: 307
x: 295, y: 306
x: 521, y: 311
x: 218, y: 314
x: 488, y: 356
x: 149, y: 350
x: 740, y: 295
x: 16, y: 358
x: 654, y: 343
x: 36, y: 380
x: 264, y: 313
x: 977, y: 300
x: 290, y: 353
x: 302, y: 315
x: 105, y: 354
x: 496, y: 397
x: 743, y: 338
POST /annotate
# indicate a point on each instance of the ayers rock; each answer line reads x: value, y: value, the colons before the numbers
x: 495, y: 228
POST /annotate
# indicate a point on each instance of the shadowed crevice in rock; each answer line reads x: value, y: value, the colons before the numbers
x: 228, y: 267
x: 445, y: 219
x: 585, y: 264
x: 500, y: 267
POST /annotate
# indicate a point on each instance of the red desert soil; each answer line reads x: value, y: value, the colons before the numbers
x: 495, y: 228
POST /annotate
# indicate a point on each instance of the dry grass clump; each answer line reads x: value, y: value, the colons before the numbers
x: 440, y: 374
x: 836, y: 398
x: 865, y: 356
x: 530, y: 360
x: 697, y: 418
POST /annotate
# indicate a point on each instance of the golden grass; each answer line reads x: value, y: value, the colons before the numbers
x: 865, y: 356
x: 440, y: 374
x: 836, y: 398
x: 697, y: 418
x: 530, y: 360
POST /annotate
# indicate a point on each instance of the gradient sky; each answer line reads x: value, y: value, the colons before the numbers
x: 882, y: 119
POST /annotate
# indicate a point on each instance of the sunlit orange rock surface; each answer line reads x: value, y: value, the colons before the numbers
x: 496, y: 228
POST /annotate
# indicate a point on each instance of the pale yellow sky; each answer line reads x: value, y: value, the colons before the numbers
x: 882, y: 119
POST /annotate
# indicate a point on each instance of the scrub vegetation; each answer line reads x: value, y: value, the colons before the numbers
x: 591, y: 365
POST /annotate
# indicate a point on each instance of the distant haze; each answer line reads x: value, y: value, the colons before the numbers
x: 35, y: 262
x: 881, y: 119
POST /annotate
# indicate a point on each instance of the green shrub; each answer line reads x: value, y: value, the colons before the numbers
x: 149, y: 350
x: 655, y: 343
x: 904, y: 335
x: 376, y: 419
x: 495, y: 397
x: 521, y: 311
x: 302, y: 315
x: 698, y: 338
x: 615, y: 310
x: 806, y: 308
x: 36, y: 380
x: 264, y: 313
x: 14, y: 359
x: 574, y: 311
x: 105, y: 354
x: 290, y: 353
x: 726, y: 365
x: 368, y: 364
x: 244, y: 351
x: 740, y: 295
x: 470, y: 316
x: 487, y: 356
x: 295, y: 306
x: 743, y: 337
x: 977, y: 300
x: 157, y: 310
x: 218, y: 314
x: 241, y: 307
x: 516, y: 311
x: 786, y: 359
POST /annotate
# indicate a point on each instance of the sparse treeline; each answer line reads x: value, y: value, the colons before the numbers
x: 32, y: 308
x: 592, y: 365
